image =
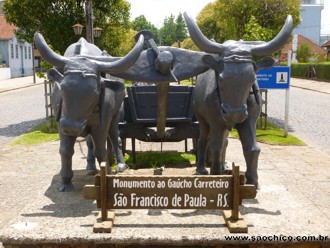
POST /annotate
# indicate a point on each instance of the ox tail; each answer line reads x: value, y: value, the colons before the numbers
x: 255, y: 90
x: 101, y: 107
x: 59, y: 110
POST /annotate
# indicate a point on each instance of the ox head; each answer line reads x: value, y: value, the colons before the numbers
x: 235, y: 70
x: 79, y: 84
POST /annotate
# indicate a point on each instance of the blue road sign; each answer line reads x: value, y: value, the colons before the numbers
x: 277, y: 77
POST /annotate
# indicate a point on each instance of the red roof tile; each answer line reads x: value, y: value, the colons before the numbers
x: 326, y: 44
x: 6, y: 29
x: 315, y: 49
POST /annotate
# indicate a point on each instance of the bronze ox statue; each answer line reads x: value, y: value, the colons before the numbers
x: 227, y: 96
x: 84, y: 102
x: 226, y: 93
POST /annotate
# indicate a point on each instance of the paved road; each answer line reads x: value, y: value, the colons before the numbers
x: 309, y: 115
x: 20, y: 110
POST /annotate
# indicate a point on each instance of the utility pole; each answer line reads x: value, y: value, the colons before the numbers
x: 91, y: 32
x: 89, y: 22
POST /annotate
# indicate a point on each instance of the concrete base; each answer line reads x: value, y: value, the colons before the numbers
x: 293, y: 204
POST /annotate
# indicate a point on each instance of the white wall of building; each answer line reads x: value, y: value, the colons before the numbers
x: 310, y: 14
x: 20, y: 56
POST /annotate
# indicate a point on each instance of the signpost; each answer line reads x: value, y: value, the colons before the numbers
x: 278, y: 77
x: 170, y: 192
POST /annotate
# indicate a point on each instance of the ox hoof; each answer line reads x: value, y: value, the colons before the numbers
x: 216, y: 172
x: 91, y: 169
x: 201, y: 171
x: 224, y: 167
x: 91, y: 172
x: 121, y: 167
x: 256, y: 184
x: 66, y: 187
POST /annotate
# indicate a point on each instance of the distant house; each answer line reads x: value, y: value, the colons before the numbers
x: 326, y: 45
x: 15, y: 53
x: 316, y: 50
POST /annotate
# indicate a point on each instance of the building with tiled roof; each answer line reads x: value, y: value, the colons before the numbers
x: 316, y: 50
x: 6, y: 29
x: 15, y: 54
x: 326, y: 45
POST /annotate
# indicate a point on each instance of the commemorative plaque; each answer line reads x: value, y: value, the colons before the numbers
x: 169, y: 192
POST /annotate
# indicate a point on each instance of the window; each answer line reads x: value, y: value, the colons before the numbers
x: 25, y: 52
x: 16, y: 50
x: 12, y: 51
x: 29, y: 52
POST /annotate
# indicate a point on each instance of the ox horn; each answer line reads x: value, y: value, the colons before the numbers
x: 124, y: 63
x: 199, y: 39
x: 47, y: 53
x: 275, y: 44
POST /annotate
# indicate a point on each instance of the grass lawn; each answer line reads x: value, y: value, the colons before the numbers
x: 153, y: 159
x: 273, y: 136
x: 45, y: 132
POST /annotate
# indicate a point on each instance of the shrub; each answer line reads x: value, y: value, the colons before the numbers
x: 322, y: 70
x: 298, y: 69
x: 303, y: 53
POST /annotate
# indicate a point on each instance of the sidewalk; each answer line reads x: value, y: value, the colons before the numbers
x: 308, y: 84
x: 293, y: 203
x: 18, y: 83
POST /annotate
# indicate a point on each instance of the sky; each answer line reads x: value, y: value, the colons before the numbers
x: 325, y: 18
x: 156, y: 10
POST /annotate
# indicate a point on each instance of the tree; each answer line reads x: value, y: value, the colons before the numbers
x: 303, y: 53
x: 189, y: 44
x: 209, y: 25
x: 235, y: 19
x: 167, y: 31
x: 54, y: 19
x: 114, y: 20
x: 253, y: 31
x: 140, y: 23
x: 173, y: 30
x: 180, y: 31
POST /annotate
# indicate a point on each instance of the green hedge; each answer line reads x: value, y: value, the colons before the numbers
x: 322, y: 70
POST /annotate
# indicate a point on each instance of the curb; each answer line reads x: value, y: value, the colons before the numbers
x: 20, y: 87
